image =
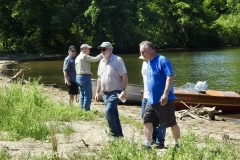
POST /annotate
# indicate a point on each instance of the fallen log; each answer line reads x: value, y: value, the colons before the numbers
x: 17, y: 77
x: 199, y: 113
x: 52, y: 85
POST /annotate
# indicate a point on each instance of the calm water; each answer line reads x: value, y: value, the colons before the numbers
x: 220, y: 68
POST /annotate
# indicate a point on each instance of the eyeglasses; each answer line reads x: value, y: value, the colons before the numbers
x: 73, y: 50
x: 103, y: 49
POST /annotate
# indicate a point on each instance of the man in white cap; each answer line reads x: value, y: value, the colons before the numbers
x: 112, y: 81
x: 83, y: 77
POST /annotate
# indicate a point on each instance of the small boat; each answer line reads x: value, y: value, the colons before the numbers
x: 199, y: 94
x: 192, y: 95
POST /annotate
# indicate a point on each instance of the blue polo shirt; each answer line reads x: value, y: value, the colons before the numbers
x: 157, y: 72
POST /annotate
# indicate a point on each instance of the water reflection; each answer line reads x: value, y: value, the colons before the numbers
x: 219, y: 68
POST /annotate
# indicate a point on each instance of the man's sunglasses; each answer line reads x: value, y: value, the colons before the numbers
x: 103, y: 49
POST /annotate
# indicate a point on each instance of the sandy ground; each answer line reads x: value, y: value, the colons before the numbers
x: 92, y: 135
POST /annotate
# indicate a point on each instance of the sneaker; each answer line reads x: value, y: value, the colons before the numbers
x: 112, y: 139
x: 176, y: 146
x: 148, y: 147
x: 144, y: 146
x: 160, y: 146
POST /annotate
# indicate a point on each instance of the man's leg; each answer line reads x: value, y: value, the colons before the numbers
x: 71, y: 99
x: 111, y: 101
x: 81, y: 92
x: 88, y: 93
x: 148, y: 131
x: 166, y: 115
x: 160, y: 133
x: 144, y: 102
x: 176, y: 133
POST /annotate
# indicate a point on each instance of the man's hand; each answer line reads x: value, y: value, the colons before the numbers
x: 96, y: 97
x: 122, y: 95
x: 69, y: 83
x: 164, y: 100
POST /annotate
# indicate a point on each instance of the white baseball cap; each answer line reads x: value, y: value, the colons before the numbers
x: 105, y: 45
x: 85, y: 46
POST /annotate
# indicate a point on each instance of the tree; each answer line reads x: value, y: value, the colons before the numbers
x: 114, y: 21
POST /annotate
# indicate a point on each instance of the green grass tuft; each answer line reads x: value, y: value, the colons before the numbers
x: 26, y: 109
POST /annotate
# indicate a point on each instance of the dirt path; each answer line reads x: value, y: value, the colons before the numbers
x: 221, y: 130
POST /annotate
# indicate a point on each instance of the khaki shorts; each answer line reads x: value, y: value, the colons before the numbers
x: 165, y: 115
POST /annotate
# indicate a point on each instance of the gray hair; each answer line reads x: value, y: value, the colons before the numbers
x: 147, y: 44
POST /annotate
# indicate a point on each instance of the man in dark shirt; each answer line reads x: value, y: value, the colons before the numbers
x: 69, y: 73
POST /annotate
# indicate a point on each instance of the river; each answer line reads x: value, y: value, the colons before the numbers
x: 220, y: 68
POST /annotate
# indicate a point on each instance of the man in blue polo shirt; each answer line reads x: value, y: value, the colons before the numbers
x: 160, y: 107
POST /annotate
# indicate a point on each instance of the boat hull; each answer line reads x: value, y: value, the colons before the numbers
x: 228, y: 102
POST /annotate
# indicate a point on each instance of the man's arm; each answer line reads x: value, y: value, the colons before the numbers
x: 168, y: 85
x: 125, y: 80
x: 88, y: 58
x: 98, y: 89
x: 123, y: 94
x: 67, y: 78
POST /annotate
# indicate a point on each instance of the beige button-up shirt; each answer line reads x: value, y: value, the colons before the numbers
x: 82, y: 63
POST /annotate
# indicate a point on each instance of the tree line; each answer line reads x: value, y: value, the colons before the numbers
x: 48, y: 26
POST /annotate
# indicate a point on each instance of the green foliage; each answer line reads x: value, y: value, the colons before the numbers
x: 25, y: 110
x: 4, y: 155
x: 120, y: 149
x: 51, y: 26
x: 191, y: 147
x: 230, y: 24
x: 195, y: 147
x: 131, y: 121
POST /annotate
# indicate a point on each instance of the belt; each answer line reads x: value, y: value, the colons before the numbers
x: 111, y: 91
x: 85, y: 74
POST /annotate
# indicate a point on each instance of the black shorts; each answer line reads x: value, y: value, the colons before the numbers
x: 73, y: 89
x: 165, y: 115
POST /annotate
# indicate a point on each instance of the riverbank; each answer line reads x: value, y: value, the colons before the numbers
x: 220, y: 130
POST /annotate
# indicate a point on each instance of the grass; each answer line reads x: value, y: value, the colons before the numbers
x: 26, y: 111
x: 192, y: 147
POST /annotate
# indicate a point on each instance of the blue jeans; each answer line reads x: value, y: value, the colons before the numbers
x: 158, y: 132
x: 85, y: 87
x: 111, y: 111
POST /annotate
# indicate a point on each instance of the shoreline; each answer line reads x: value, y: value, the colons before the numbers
x: 217, y: 129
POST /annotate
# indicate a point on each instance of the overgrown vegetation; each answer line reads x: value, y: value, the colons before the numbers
x: 28, y: 112
x: 48, y: 26
x: 25, y: 111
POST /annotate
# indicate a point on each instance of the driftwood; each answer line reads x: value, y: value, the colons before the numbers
x: 19, y: 76
x: 196, y: 112
x: 52, y: 85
